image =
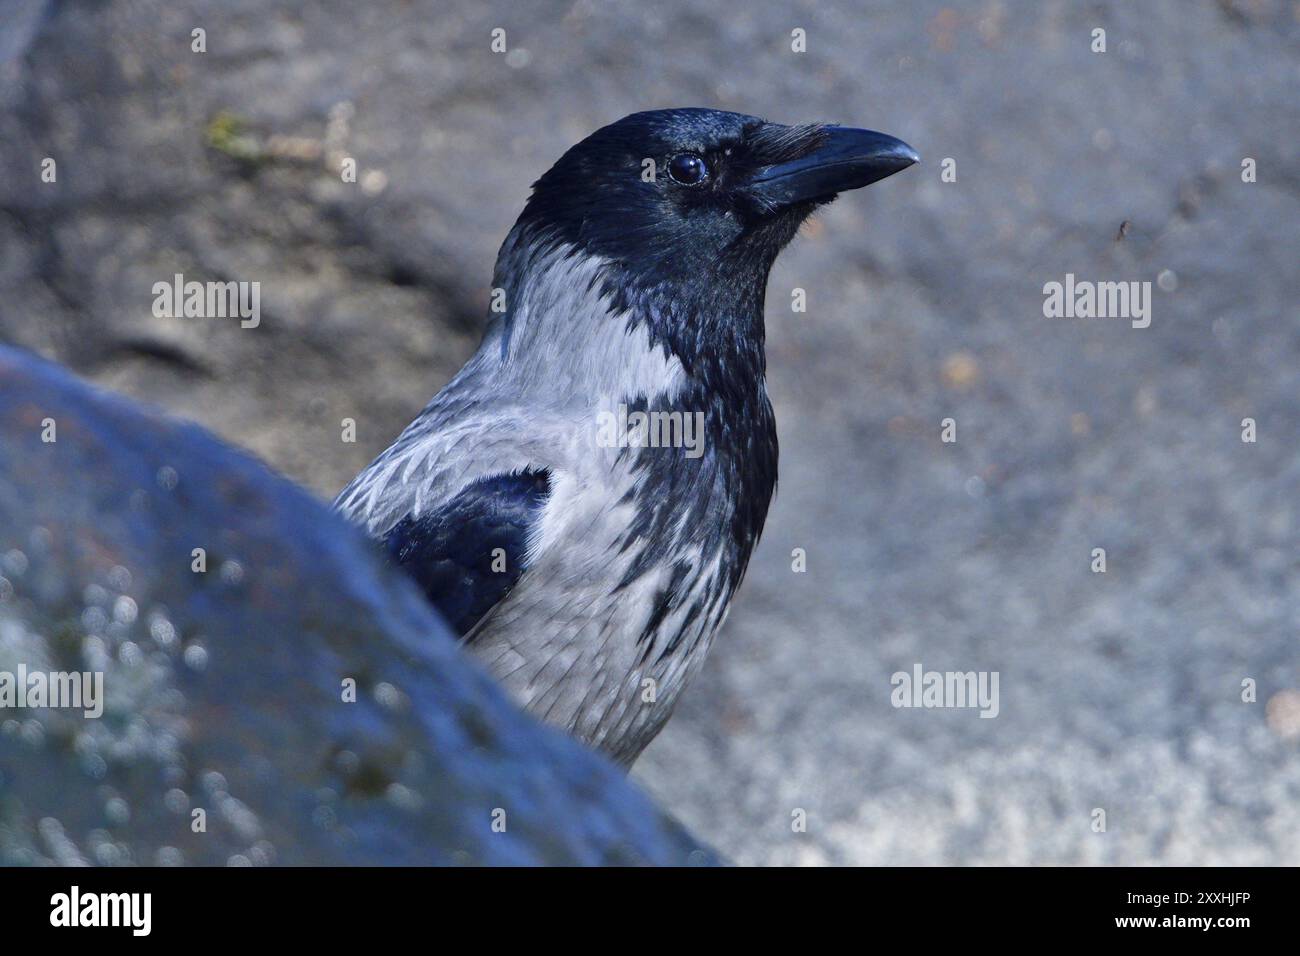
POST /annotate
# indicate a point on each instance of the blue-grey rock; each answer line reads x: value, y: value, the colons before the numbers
x: 224, y: 688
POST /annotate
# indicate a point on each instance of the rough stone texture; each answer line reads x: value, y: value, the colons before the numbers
x: 224, y: 689
x: 1119, y: 691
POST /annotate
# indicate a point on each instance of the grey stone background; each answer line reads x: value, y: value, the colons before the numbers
x: 1119, y: 691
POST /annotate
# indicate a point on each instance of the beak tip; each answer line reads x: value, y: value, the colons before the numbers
x: 897, y: 158
x: 902, y: 154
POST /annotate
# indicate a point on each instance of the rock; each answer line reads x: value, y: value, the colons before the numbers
x: 223, y: 689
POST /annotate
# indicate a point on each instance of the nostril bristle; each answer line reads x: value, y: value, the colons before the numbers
x: 776, y: 143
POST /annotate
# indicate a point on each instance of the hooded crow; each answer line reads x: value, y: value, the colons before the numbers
x: 582, y: 499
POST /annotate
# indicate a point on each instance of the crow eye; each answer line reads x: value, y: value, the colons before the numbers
x: 688, y: 169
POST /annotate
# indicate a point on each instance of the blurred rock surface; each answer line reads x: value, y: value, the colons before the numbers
x: 224, y: 690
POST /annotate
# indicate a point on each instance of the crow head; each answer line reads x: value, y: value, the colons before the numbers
x: 665, y: 226
x: 686, y: 194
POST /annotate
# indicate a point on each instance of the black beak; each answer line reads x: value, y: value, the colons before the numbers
x: 846, y: 159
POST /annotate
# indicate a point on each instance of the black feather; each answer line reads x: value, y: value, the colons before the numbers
x: 468, y: 554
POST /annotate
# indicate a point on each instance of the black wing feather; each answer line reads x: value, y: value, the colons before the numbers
x: 468, y: 553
